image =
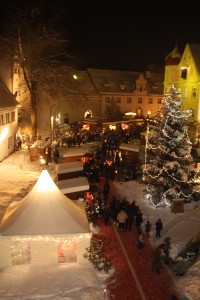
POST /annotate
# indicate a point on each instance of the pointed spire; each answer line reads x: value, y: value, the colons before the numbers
x: 174, y: 57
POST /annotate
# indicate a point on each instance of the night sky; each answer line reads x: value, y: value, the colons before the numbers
x: 126, y: 35
x: 123, y: 35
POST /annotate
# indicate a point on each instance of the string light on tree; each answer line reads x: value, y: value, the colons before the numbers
x: 169, y: 171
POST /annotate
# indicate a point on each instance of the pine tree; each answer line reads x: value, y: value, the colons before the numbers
x: 168, y: 169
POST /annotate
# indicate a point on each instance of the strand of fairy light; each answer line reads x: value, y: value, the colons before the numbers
x: 148, y: 146
x: 48, y: 239
x: 163, y: 168
x: 163, y: 151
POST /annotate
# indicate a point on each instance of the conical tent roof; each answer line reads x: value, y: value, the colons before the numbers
x: 45, y: 211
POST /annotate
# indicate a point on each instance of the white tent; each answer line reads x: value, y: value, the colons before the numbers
x: 46, y: 225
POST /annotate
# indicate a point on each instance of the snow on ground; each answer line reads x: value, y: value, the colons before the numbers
x: 18, y: 176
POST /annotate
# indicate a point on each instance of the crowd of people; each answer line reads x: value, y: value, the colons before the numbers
x: 124, y: 215
x: 104, y: 166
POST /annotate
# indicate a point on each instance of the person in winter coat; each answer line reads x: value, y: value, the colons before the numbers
x: 139, y: 220
x: 159, y: 227
x: 157, y: 258
x: 106, y: 214
x: 147, y: 229
x: 121, y: 219
x: 166, y: 250
x: 56, y: 155
x: 140, y: 243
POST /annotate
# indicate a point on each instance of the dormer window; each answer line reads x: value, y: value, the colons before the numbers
x: 184, y: 72
x: 122, y: 86
x: 106, y: 85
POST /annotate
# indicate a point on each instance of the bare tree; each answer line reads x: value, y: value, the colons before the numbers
x: 113, y: 111
x: 31, y: 38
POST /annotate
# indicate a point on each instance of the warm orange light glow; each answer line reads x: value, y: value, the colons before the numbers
x: 86, y: 127
x: 124, y: 126
x: 130, y: 113
x: 4, y: 134
x: 112, y: 127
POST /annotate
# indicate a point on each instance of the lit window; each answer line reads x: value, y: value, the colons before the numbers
x: 185, y: 92
x: 150, y: 100
x: 67, y: 252
x: 194, y: 92
x: 21, y: 253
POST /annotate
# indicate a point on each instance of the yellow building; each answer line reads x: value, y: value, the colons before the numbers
x: 184, y: 72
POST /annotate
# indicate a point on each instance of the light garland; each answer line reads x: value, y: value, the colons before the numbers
x: 63, y: 240
x: 169, y: 116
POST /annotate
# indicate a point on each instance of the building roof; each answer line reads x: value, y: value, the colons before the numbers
x: 195, y: 50
x: 122, y: 82
x: 7, y: 99
x: 173, y: 58
x: 45, y: 211
x: 84, y: 84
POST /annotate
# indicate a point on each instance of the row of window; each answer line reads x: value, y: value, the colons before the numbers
x: 7, y: 118
x: 194, y: 92
x: 185, y: 92
x: 129, y: 100
x: 122, y: 87
x: 21, y: 253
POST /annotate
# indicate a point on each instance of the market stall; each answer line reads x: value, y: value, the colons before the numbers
x: 69, y: 170
x: 74, y: 188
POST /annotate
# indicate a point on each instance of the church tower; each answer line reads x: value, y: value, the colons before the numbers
x: 172, y: 68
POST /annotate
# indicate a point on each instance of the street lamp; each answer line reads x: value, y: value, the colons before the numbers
x: 51, y: 123
x: 104, y: 294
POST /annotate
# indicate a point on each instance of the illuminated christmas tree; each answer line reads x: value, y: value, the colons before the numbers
x: 169, y: 170
x: 98, y: 254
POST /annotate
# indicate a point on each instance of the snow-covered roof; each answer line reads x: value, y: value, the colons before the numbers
x: 75, y: 152
x: 117, y: 81
x: 45, y: 211
x: 73, y: 185
x: 129, y: 147
x: 69, y: 167
x: 195, y: 50
x: 7, y: 100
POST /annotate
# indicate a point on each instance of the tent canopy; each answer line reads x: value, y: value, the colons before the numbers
x: 45, y: 211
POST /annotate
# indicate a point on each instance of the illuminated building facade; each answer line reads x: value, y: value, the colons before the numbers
x: 184, y: 72
x: 8, y: 121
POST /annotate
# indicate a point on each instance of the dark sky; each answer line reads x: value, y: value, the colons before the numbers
x: 123, y: 35
x: 127, y: 36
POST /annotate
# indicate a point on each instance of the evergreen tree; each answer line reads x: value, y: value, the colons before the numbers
x: 168, y: 169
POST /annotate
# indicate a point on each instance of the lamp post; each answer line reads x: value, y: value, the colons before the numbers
x: 51, y: 123
x: 104, y: 294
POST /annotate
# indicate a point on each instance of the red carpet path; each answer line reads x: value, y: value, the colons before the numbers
x: 133, y: 278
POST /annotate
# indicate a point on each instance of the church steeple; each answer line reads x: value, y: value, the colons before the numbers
x: 173, y: 58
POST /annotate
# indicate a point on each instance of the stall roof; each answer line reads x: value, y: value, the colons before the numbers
x: 129, y: 147
x: 73, y: 185
x: 75, y: 152
x: 69, y: 167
